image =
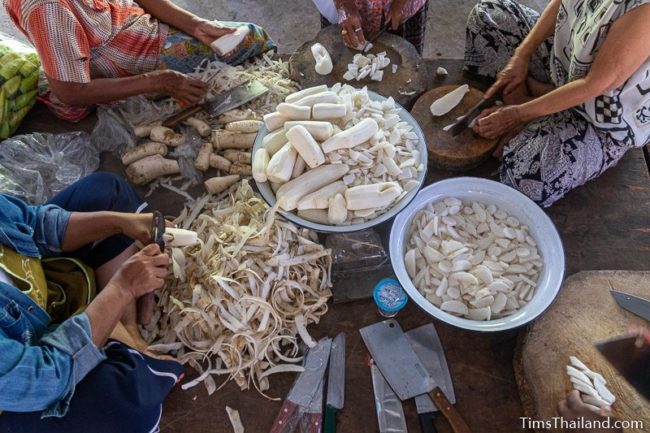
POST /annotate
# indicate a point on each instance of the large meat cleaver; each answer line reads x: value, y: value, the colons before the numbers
x: 404, y: 371
x: 426, y: 344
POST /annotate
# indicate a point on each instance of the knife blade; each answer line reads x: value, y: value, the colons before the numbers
x: 426, y: 344
x: 335, y: 383
x: 304, y: 389
x: 630, y: 355
x: 463, y: 122
x: 223, y: 102
x: 404, y: 371
x: 390, y: 413
x: 633, y: 304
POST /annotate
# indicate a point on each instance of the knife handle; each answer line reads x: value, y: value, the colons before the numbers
x: 311, y: 423
x: 286, y: 420
x: 330, y: 419
x: 456, y: 421
x: 427, y: 424
x: 177, y: 118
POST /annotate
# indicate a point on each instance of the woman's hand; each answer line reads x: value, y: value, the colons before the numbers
x: 573, y: 408
x: 188, y: 91
x: 514, y: 74
x: 209, y: 31
x: 398, y: 13
x: 350, y: 23
x: 496, y: 121
x: 142, y: 273
x: 136, y: 226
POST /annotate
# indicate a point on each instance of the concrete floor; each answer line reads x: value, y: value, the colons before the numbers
x: 293, y: 22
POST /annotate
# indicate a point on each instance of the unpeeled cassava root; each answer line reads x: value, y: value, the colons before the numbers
x: 142, y: 151
x: 166, y: 136
x: 152, y: 167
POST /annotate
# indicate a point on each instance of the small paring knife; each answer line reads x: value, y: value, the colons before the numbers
x: 464, y: 121
x: 633, y: 304
x: 335, y: 383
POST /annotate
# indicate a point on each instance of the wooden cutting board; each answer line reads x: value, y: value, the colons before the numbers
x: 583, y: 313
x: 404, y: 86
x: 463, y: 152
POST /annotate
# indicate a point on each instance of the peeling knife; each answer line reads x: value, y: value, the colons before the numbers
x: 633, y: 304
x: 464, y: 121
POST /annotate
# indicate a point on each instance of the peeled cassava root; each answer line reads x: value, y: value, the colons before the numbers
x: 322, y: 58
x: 448, y: 102
x: 147, y: 169
x: 229, y: 42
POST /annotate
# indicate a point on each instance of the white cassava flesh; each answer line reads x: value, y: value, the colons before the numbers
x: 274, y: 141
x: 322, y: 58
x: 291, y: 192
x: 318, y: 129
x: 142, y: 151
x: 591, y: 385
x: 370, y: 66
x: 448, y: 102
x: 358, y: 134
x: 328, y: 111
x: 337, y: 211
x: 232, y: 307
x: 281, y: 164
x: 472, y: 254
x: 369, y: 137
x: 319, y: 199
x: 294, y: 112
x: 319, y: 98
x: 175, y: 237
x: 306, y: 146
x: 229, y: 42
x: 260, y: 162
x: 297, y: 96
x: 215, y: 185
x: 373, y: 196
x: 274, y: 121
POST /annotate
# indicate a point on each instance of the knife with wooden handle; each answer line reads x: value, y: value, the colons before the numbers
x: 464, y: 121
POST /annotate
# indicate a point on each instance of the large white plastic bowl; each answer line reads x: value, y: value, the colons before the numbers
x: 269, y: 196
x: 514, y: 203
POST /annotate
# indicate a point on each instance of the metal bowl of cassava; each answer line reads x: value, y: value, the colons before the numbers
x: 269, y: 196
x: 544, y: 236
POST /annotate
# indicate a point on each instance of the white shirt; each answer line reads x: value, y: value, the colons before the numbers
x: 581, y: 29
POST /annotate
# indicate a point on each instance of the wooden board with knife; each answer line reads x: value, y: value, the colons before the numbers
x: 585, y: 313
x: 446, y: 151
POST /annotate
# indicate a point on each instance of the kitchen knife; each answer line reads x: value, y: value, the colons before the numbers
x: 368, y: 45
x: 223, y: 102
x: 426, y: 345
x: 404, y: 371
x: 631, y: 357
x: 312, y: 420
x: 464, y: 121
x: 304, y: 389
x: 390, y: 413
x: 633, y: 304
x: 335, y: 383
x: 146, y: 303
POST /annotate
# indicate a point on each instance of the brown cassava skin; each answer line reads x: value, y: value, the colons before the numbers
x: 244, y: 126
x: 142, y: 151
x: 219, y: 162
x: 215, y: 185
x: 152, y: 167
x: 237, y: 156
x: 202, y: 162
x: 222, y: 139
x: 236, y: 115
x: 241, y: 168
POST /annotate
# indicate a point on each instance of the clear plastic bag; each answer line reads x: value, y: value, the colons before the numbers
x: 34, y: 167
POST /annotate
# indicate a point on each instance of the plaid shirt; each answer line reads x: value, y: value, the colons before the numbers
x: 78, y: 40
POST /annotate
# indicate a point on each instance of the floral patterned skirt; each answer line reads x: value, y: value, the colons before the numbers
x: 556, y: 153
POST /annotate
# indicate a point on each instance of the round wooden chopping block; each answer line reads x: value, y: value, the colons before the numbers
x: 583, y: 313
x: 411, y: 76
x: 463, y: 152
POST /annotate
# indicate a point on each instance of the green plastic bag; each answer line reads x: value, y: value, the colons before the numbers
x: 19, y: 77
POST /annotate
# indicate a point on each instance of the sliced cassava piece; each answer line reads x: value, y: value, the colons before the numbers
x: 238, y: 304
x: 460, y: 153
x: 449, y: 101
x: 583, y: 313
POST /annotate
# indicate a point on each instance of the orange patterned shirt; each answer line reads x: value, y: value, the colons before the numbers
x: 82, y: 39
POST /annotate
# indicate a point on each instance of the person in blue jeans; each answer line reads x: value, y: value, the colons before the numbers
x: 70, y: 360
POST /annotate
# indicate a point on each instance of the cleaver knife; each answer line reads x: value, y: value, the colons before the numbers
x: 426, y: 344
x: 404, y: 371
x: 464, y: 121
x: 390, y: 413
x: 633, y: 304
x: 226, y: 101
